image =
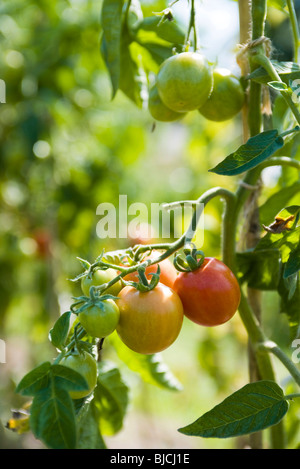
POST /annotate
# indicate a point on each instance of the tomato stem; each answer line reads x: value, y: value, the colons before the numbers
x: 295, y: 29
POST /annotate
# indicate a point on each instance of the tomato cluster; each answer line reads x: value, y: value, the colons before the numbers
x: 186, y: 82
x: 150, y: 320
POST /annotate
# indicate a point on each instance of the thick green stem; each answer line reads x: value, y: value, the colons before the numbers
x: 262, y: 60
x: 295, y: 29
x: 269, y: 346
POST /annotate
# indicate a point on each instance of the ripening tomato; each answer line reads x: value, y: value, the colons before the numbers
x: 210, y: 295
x: 158, y: 110
x: 99, y: 277
x: 227, y: 97
x: 168, y: 273
x: 149, y: 321
x: 184, y: 81
x: 85, y: 364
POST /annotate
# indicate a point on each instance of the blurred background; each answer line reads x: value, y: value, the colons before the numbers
x: 66, y: 148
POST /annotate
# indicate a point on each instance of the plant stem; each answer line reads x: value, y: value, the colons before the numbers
x: 262, y: 60
x: 269, y: 346
x: 192, y: 25
x: 295, y: 29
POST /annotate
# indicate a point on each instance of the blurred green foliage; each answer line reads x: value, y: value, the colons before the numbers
x: 66, y: 148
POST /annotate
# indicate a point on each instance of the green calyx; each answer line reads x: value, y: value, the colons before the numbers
x: 190, y: 260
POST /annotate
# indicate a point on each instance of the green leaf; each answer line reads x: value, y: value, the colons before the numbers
x: 89, y: 436
x: 70, y: 379
x: 260, y: 269
x: 111, y: 22
x: 133, y: 80
x: 275, y: 202
x: 110, y: 399
x: 293, y: 263
x: 278, y: 85
x: 252, y: 408
x: 286, y: 70
x: 59, y: 333
x: 169, y: 31
x: 249, y: 155
x: 35, y: 380
x: 151, y: 368
x: 289, y: 291
x: 158, y: 52
x: 52, y: 417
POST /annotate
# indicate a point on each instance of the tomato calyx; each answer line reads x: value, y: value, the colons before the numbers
x: 190, y: 260
x: 144, y: 285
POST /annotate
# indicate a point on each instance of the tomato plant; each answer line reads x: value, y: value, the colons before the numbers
x: 226, y: 99
x: 133, y: 301
x: 149, y: 321
x: 210, y: 294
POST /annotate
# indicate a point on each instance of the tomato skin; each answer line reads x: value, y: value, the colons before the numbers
x: 227, y: 97
x: 210, y: 295
x: 168, y: 273
x: 99, y: 322
x: 158, y: 110
x: 149, y: 321
x: 98, y: 278
x: 86, y: 365
x: 184, y: 81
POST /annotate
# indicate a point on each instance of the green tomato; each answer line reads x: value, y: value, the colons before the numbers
x: 86, y: 365
x: 226, y: 99
x: 98, y: 278
x: 101, y: 319
x: 184, y: 81
x: 158, y: 110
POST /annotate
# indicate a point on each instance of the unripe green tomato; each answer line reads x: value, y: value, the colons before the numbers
x: 158, y: 110
x: 184, y: 81
x: 100, y: 321
x: 227, y: 97
x: 86, y: 365
x: 98, y: 278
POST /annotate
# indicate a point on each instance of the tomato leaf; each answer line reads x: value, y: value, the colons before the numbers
x: 278, y: 85
x: 289, y: 291
x: 276, y: 201
x: 59, y: 333
x: 252, y: 408
x: 260, y: 269
x: 151, y: 368
x: 293, y: 263
x: 89, y: 435
x: 110, y: 399
x: 35, y: 380
x: 249, y: 155
x: 52, y: 418
x: 286, y: 70
x: 111, y: 22
x: 169, y: 31
x: 133, y: 80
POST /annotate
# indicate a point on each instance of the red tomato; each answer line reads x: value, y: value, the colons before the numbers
x: 149, y: 321
x: 210, y: 295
